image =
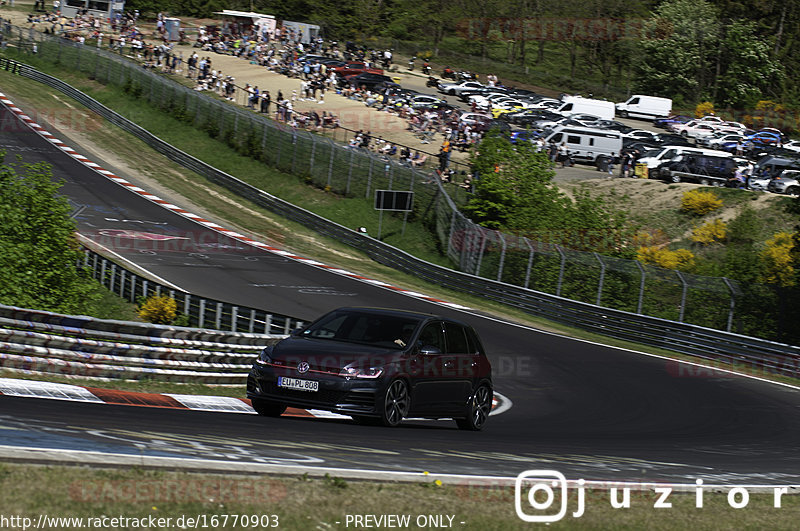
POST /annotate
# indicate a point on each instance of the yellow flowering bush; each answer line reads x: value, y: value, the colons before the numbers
x: 700, y: 202
x: 778, y: 263
x: 703, y: 108
x: 159, y: 310
x: 710, y: 232
x: 681, y: 259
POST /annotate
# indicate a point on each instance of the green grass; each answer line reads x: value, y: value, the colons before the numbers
x: 325, y: 502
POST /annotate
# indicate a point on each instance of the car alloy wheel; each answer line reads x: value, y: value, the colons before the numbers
x: 396, y: 403
x: 268, y: 408
x: 480, y: 405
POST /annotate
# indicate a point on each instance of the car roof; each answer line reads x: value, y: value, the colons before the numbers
x: 394, y: 312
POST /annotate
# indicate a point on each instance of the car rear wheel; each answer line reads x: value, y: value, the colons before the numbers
x: 675, y: 178
x: 704, y: 182
x: 480, y: 405
x: 794, y: 190
x: 396, y: 403
x: 268, y: 408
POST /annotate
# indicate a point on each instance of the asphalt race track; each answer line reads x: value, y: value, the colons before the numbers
x: 586, y: 410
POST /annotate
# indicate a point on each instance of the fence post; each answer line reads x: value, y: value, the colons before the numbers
x: 733, y: 303
x: 234, y: 317
x: 349, y: 172
x: 218, y: 317
x: 561, y: 270
x: 311, y: 161
x: 602, y: 278
x: 530, y: 263
x: 641, y: 288
x: 251, y: 325
x: 330, y: 163
x: 369, y: 177
x: 480, y: 253
x: 683, y: 295
x: 268, y: 323
x: 294, y: 150
x: 202, y: 317
x: 502, y: 257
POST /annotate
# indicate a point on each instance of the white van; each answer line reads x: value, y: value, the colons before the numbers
x: 586, y: 143
x: 651, y: 107
x: 577, y: 105
x: 656, y: 157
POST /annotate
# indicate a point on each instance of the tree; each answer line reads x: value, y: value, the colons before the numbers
x: 679, y: 49
x: 746, y: 70
x: 514, y: 193
x: 38, y: 258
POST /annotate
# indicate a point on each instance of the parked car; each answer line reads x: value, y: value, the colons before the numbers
x: 355, y: 68
x: 698, y: 168
x: 370, y: 81
x: 766, y: 137
x: 675, y: 118
x: 524, y: 135
x: 474, y: 118
x: 454, y: 89
x: 792, y: 145
x: 640, y: 106
x: 641, y: 134
x: 787, y: 182
x: 378, y: 366
x: 698, y: 130
x: 717, y: 140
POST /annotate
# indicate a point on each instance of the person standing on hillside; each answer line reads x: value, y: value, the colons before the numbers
x: 266, y: 99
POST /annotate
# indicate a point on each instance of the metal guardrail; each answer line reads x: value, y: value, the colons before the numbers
x: 201, y: 311
x: 39, y: 342
x: 729, y: 349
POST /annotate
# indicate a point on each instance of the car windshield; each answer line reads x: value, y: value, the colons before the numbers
x: 651, y: 153
x: 364, y: 328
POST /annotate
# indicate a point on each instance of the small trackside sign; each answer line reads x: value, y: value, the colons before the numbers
x: 399, y: 201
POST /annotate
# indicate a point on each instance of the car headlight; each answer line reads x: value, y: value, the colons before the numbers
x: 265, y: 357
x: 361, y: 372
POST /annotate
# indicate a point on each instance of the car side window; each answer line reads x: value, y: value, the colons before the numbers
x: 456, y: 339
x: 475, y: 346
x: 432, y: 336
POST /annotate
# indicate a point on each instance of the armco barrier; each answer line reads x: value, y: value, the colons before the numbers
x: 728, y: 349
x: 40, y: 342
x: 201, y: 311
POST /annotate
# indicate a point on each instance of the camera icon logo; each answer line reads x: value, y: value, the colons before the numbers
x: 533, y: 485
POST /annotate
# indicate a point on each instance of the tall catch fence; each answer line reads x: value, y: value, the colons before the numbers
x: 764, y: 311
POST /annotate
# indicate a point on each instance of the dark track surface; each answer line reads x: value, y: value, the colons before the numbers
x: 586, y: 410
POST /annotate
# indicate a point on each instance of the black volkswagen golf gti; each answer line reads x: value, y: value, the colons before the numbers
x: 378, y: 366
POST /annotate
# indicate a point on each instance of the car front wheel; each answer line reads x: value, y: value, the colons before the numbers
x: 268, y: 408
x: 480, y: 405
x: 396, y: 403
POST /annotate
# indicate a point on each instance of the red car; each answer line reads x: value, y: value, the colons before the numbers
x: 353, y: 68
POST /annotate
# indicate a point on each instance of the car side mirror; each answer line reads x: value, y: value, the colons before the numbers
x: 429, y: 350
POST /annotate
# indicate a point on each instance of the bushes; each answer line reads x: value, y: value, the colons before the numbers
x: 700, y: 202
x: 681, y: 259
x: 713, y: 231
x: 778, y: 262
x: 704, y: 108
x: 159, y: 310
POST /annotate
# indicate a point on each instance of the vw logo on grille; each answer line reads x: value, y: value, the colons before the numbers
x: 303, y: 367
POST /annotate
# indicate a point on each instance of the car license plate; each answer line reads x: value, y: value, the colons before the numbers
x: 297, y: 384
